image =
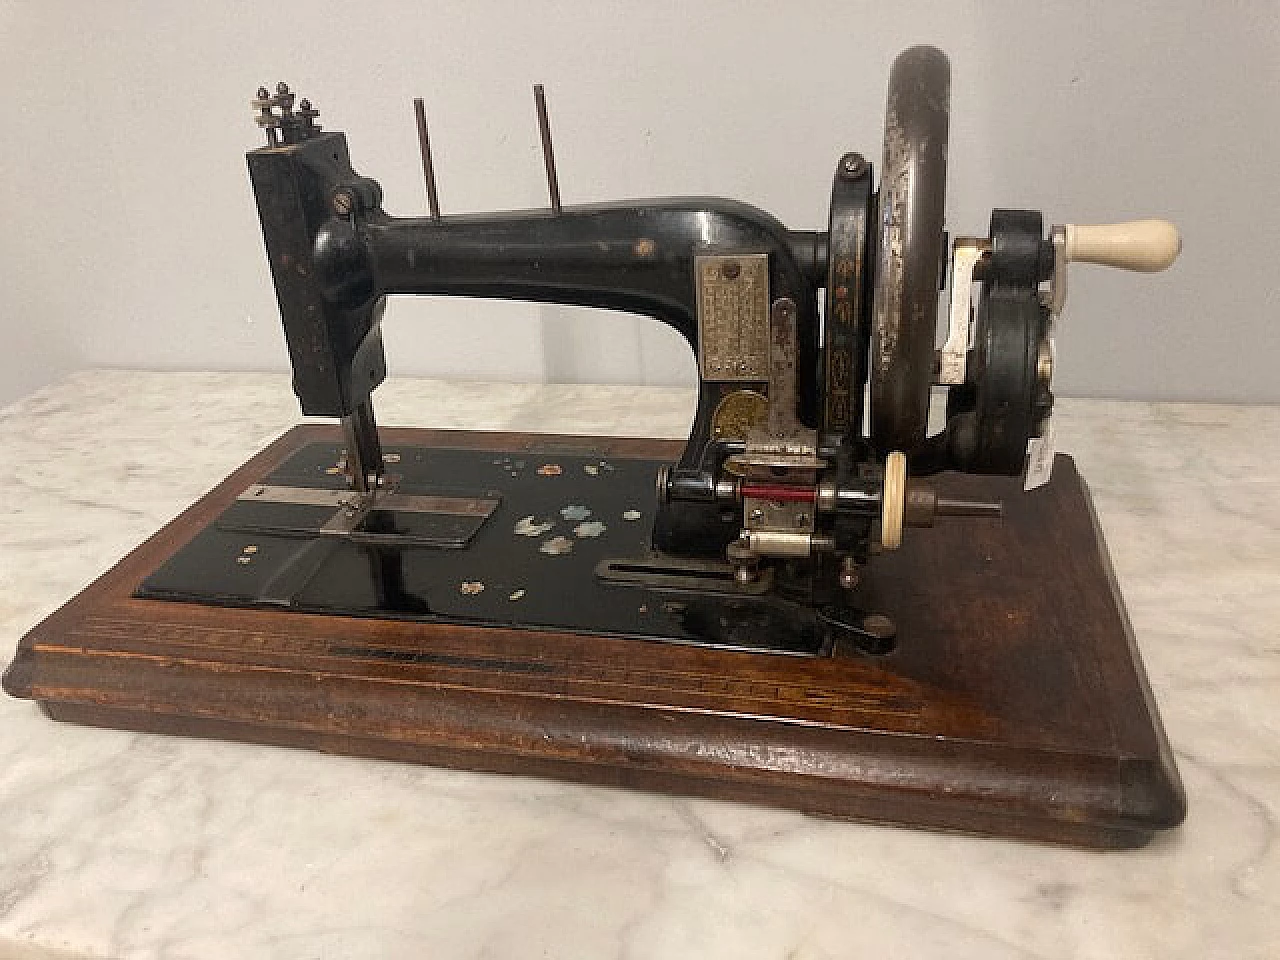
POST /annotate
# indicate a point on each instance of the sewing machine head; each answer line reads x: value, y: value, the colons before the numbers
x: 789, y: 477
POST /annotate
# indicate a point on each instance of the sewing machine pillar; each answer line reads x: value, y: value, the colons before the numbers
x: 335, y: 343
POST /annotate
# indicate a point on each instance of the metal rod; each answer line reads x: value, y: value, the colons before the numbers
x: 948, y: 507
x: 424, y: 147
x: 782, y: 368
x: 364, y: 449
x: 548, y: 155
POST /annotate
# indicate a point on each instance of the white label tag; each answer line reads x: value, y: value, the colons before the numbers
x: 1040, y: 451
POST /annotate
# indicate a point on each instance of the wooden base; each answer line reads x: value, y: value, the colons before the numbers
x: 1015, y: 703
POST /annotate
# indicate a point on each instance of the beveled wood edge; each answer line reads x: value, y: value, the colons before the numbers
x: 838, y: 800
x: 1119, y: 793
x: 1164, y: 769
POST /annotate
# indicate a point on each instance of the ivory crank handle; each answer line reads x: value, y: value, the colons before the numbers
x: 1144, y: 245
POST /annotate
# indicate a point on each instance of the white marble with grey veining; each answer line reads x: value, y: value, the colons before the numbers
x: 124, y: 845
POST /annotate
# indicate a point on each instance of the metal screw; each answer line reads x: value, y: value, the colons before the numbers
x: 849, y: 576
x: 307, y: 114
x: 745, y: 562
x: 852, y: 165
x: 344, y: 201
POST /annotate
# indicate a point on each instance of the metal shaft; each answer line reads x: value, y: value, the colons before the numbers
x: 548, y: 155
x: 424, y: 147
x: 948, y: 507
x: 364, y: 449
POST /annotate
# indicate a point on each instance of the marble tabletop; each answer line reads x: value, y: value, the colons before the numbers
x: 125, y: 845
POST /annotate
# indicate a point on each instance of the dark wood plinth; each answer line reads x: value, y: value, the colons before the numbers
x: 1015, y: 703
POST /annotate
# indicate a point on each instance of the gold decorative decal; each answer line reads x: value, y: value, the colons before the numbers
x: 737, y: 413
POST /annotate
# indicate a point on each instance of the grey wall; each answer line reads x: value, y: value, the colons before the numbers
x: 130, y: 237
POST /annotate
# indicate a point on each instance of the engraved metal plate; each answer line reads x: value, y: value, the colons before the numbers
x: 733, y: 316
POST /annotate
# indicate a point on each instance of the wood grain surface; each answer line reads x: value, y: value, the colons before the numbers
x: 1015, y: 703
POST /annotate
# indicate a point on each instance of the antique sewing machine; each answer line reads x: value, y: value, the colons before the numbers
x: 741, y: 615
